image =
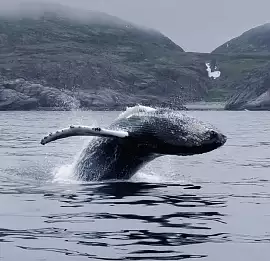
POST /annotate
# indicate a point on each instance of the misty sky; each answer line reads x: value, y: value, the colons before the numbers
x: 195, y: 25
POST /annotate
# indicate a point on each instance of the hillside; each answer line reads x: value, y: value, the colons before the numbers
x: 255, y: 40
x: 93, y: 61
x: 56, y: 58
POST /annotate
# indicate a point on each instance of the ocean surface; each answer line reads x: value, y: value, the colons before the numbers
x: 214, y: 206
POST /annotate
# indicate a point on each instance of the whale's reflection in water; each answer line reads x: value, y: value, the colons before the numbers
x: 126, y: 221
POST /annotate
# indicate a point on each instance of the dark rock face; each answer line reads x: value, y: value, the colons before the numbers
x: 252, y: 92
x: 55, y: 60
x: 24, y: 95
x: 255, y: 40
x: 20, y: 94
x: 245, y: 63
x: 12, y: 100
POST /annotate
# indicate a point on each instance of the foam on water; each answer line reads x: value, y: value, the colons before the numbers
x: 148, y: 177
x: 65, y: 173
x: 152, y: 176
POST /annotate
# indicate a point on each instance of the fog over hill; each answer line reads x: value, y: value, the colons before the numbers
x: 51, y: 55
x: 56, y: 57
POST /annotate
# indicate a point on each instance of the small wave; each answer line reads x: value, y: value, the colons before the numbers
x: 148, y: 177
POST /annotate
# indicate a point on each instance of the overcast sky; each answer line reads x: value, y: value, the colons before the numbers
x: 195, y: 25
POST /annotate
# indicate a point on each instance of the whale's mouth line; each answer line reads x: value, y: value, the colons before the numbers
x: 191, y: 150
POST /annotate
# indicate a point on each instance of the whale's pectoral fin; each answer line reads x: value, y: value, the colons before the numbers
x: 83, y: 131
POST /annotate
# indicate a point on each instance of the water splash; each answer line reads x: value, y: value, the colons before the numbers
x: 66, y: 173
x: 147, y: 177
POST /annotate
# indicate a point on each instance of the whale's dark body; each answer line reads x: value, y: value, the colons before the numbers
x: 151, y: 134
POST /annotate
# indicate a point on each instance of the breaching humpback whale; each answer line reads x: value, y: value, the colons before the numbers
x: 137, y: 136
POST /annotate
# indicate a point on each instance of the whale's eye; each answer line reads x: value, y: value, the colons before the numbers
x: 213, y: 135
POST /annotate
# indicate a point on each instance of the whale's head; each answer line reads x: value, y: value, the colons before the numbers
x: 181, y: 134
x: 168, y: 132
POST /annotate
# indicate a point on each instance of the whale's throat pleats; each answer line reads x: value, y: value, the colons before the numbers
x: 107, y: 158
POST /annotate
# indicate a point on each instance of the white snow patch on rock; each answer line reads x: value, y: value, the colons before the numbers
x: 214, y: 74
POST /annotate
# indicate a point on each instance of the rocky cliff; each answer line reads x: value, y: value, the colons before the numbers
x: 252, y: 90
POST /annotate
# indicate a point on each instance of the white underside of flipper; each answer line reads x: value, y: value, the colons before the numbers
x: 82, y: 131
x: 100, y: 132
